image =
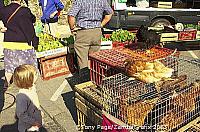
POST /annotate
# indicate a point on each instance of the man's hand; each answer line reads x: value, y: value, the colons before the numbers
x: 37, y: 124
x: 3, y: 29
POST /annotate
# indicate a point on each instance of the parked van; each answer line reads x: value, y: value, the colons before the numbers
x: 129, y: 14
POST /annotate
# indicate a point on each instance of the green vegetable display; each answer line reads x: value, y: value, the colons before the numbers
x: 47, y: 42
x: 120, y: 36
x: 68, y: 40
x: 192, y: 26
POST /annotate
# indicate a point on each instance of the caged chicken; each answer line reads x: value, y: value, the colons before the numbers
x: 148, y: 72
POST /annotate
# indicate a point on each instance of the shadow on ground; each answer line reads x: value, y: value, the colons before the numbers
x: 1, y: 90
x: 183, y: 46
x: 13, y: 128
x: 69, y: 97
x: 9, y: 128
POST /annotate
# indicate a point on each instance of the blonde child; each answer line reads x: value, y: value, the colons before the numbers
x: 27, y: 104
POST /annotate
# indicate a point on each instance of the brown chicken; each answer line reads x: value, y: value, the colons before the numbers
x: 138, y: 111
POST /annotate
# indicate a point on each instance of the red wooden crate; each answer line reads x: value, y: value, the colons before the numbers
x: 187, y: 35
x: 53, y: 66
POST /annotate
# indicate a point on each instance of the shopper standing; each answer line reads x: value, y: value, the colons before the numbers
x: 20, y: 32
x: 50, y: 10
x: 90, y: 16
x: 28, y: 111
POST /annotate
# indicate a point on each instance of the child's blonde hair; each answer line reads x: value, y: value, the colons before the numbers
x: 24, y: 76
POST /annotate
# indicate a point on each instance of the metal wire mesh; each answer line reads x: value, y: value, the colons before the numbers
x: 164, y: 105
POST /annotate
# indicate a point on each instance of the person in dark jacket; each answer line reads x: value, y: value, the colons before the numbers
x: 1, y: 3
x: 28, y: 110
x: 51, y: 10
x: 19, y: 23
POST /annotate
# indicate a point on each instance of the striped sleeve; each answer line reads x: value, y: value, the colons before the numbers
x: 107, y: 7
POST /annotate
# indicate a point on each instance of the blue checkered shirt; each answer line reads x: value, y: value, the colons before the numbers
x: 89, y: 13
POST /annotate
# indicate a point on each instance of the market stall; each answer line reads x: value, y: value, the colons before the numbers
x: 54, y: 56
x: 151, y: 89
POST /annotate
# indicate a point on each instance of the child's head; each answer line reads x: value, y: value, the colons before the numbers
x: 25, y: 76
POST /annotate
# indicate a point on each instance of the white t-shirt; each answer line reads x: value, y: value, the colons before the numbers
x: 45, y: 4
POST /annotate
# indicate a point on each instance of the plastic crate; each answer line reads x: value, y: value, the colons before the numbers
x: 105, y: 63
x: 187, y: 35
x: 109, y: 62
x: 149, y: 55
x: 168, y: 108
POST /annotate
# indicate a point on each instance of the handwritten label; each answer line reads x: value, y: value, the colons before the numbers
x: 54, y: 66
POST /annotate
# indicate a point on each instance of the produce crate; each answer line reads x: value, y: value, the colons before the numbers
x: 119, y: 44
x: 89, y: 106
x: 168, y: 37
x: 53, y: 66
x: 167, y: 108
x: 106, y: 45
x: 187, y: 35
x: 51, y: 52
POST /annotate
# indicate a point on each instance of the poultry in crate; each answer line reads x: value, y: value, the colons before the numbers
x: 148, y: 72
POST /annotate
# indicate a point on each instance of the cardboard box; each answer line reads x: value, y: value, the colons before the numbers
x: 168, y: 37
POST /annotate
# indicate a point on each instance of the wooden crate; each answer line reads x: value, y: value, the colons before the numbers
x: 165, y: 37
x: 53, y: 66
x: 88, y: 114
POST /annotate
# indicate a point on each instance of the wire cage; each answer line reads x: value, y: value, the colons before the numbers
x: 165, y: 105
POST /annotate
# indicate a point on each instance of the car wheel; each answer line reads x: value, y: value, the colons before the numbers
x: 160, y: 22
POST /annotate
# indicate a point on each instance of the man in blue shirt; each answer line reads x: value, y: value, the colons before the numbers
x: 50, y: 9
x: 88, y: 16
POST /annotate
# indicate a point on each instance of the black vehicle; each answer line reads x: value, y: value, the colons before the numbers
x: 182, y: 11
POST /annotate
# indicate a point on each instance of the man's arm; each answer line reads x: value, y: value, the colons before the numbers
x: 71, y: 21
x: 73, y: 13
x: 108, y: 13
x: 106, y: 19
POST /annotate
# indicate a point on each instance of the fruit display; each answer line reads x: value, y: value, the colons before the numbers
x: 48, y: 42
x: 120, y: 35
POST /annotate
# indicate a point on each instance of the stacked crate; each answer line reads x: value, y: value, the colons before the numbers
x: 109, y: 62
